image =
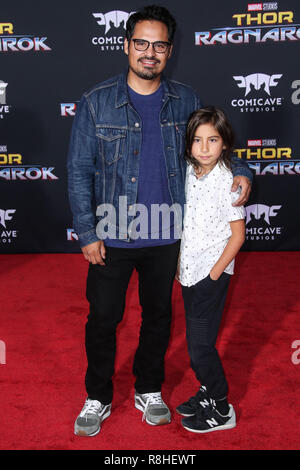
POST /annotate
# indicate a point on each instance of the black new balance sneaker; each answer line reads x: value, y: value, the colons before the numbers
x: 209, y: 419
x: 189, y: 407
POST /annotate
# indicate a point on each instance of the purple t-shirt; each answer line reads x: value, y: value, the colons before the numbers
x: 153, y: 187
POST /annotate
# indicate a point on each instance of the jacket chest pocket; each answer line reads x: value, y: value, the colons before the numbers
x: 111, y: 144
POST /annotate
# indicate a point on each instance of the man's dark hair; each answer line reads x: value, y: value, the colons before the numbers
x: 218, y: 119
x: 151, y: 13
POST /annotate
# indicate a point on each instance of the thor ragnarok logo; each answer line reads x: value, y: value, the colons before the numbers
x: 271, y: 26
x: 9, y: 42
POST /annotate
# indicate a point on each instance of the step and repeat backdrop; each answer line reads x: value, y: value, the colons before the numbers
x: 242, y: 57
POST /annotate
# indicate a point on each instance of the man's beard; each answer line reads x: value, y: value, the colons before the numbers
x: 147, y: 74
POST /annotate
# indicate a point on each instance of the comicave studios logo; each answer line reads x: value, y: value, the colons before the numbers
x: 114, y: 24
x: 259, y: 222
x: 265, y: 157
x: 4, y: 107
x: 13, y: 169
x: 262, y: 23
x: 10, y: 42
x: 257, y: 93
x: 7, y: 235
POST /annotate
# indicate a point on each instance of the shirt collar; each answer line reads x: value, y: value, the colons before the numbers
x: 217, y: 170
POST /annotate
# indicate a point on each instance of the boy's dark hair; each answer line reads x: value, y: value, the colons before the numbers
x: 218, y: 119
x: 151, y: 13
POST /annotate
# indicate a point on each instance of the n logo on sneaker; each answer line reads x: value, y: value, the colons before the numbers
x: 212, y: 422
x: 204, y: 403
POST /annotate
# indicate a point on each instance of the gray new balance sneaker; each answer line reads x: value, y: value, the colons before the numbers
x: 155, y: 411
x: 90, y: 418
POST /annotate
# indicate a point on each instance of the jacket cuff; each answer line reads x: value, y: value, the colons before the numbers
x: 87, y: 238
x: 242, y: 171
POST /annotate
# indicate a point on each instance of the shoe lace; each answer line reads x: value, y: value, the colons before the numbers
x: 90, y: 406
x: 152, y: 399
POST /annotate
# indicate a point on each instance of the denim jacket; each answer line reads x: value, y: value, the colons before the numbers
x: 103, y: 159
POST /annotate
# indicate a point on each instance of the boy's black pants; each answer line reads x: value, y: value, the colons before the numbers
x: 204, y: 303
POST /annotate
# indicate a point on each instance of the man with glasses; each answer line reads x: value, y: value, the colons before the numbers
x: 127, y: 144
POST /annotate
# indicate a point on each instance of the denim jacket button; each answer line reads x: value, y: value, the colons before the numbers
x: 133, y: 180
x: 137, y: 124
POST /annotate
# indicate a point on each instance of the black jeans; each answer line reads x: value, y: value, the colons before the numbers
x: 204, y: 303
x: 106, y: 291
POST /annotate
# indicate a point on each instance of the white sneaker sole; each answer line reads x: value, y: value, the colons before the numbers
x: 217, y: 428
x: 185, y: 415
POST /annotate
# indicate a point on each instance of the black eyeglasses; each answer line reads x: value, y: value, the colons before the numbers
x: 159, y: 46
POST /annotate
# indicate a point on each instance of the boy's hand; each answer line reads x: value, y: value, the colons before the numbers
x: 214, y: 275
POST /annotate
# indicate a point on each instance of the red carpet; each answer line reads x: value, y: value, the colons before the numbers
x: 43, y: 314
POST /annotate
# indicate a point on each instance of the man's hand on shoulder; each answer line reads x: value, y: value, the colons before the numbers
x: 95, y: 252
x: 245, y: 185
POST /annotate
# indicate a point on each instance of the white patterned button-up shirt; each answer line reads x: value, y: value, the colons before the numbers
x: 206, y: 228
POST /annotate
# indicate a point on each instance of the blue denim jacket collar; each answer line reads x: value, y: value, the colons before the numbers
x: 122, y: 97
